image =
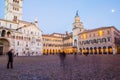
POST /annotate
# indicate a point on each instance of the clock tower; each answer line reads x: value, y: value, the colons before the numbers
x: 13, y: 10
x: 77, y: 28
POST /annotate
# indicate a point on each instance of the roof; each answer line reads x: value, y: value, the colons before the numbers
x: 101, y: 28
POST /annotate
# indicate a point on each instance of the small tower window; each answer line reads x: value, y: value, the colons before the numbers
x: 15, y: 18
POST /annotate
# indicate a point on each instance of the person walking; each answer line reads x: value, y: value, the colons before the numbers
x: 10, y: 58
x: 62, y: 58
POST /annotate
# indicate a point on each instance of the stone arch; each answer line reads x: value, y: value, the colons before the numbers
x: 110, y: 50
x: 91, y: 50
x: 95, y: 50
x: 104, y: 50
x: 4, y: 46
x: 87, y: 50
x: 99, y: 50
x: 83, y: 50
x: 80, y: 50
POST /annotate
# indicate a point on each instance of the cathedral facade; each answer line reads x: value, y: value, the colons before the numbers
x: 24, y: 37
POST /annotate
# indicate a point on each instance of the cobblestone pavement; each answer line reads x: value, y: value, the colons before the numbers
x: 80, y: 67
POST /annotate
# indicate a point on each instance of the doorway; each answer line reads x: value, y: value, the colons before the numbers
x: 1, y: 50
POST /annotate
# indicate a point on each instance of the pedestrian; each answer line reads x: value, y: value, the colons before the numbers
x: 62, y: 58
x: 10, y: 58
x: 75, y: 56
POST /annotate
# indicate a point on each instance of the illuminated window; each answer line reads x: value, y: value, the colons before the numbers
x: 100, y: 33
x: 84, y: 36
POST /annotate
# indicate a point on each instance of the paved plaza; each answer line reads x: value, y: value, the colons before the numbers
x: 49, y: 67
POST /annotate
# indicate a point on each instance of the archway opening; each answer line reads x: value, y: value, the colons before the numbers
x: 104, y: 50
x: 95, y: 50
x: 100, y: 50
x: 4, y: 46
x: 87, y: 50
x: 110, y: 51
x: 91, y: 50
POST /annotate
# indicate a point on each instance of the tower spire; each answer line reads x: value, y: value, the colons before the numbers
x: 77, y: 14
x: 77, y: 18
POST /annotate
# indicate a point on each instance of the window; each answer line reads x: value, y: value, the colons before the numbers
x: 10, y: 26
x: 89, y: 35
x: 15, y: 18
x: 100, y: 33
x: 84, y: 36
x: 3, y: 33
x: 38, y: 33
x: 18, y: 43
x: 24, y: 31
x: 108, y: 32
x: 16, y: 1
x: 31, y: 32
x: 109, y: 39
x: 94, y: 35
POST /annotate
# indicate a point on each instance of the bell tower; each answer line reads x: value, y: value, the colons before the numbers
x: 77, y: 28
x: 13, y: 10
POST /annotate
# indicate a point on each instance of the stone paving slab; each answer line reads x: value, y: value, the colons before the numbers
x: 91, y: 67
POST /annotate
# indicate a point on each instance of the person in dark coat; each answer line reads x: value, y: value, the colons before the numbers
x: 10, y: 59
x: 62, y: 58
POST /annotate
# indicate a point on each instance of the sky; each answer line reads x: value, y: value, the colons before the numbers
x: 58, y: 15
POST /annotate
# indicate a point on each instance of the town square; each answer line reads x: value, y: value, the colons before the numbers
x: 59, y: 40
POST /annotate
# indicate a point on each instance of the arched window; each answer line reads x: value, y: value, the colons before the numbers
x: 75, y: 42
x: 3, y: 33
x: 103, y: 39
x: 8, y: 34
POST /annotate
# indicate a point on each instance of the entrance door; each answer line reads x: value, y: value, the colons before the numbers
x: 1, y: 50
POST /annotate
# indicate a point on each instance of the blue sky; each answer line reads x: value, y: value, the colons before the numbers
x: 58, y: 15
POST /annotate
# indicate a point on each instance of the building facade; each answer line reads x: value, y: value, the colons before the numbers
x: 57, y: 42
x: 27, y: 39
x: 24, y: 37
x: 52, y: 43
x: 104, y: 40
x: 68, y: 44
